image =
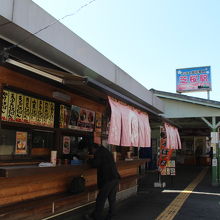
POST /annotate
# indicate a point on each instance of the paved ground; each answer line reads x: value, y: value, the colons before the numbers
x: 150, y: 202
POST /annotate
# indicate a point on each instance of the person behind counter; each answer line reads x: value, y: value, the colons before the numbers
x: 107, y: 181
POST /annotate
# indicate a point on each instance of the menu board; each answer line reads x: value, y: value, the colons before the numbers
x: 82, y: 119
x: 17, y: 107
x: 77, y: 118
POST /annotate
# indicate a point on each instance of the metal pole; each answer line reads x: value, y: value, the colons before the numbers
x: 215, y: 159
x: 208, y: 95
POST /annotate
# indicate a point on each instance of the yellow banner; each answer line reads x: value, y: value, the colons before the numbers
x: 19, y: 108
x: 51, y: 115
x: 12, y: 106
x: 27, y: 109
x: 46, y: 113
x: 5, y: 99
x: 40, y: 112
x: 62, y: 116
x: 34, y: 108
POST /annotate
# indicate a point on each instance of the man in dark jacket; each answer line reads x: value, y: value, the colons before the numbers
x: 107, y: 181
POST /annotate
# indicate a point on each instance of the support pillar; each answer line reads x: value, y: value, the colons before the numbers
x: 215, y: 159
x: 216, y: 151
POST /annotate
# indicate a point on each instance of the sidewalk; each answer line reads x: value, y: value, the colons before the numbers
x: 150, y: 202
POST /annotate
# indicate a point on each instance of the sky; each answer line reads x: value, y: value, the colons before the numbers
x: 149, y: 39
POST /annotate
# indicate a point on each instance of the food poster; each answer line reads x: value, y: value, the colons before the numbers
x: 51, y: 114
x: 34, y: 109
x: 27, y: 109
x: 66, y: 145
x: 5, y: 102
x: 86, y: 119
x: 12, y: 106
x: 46, y: 115
x: 98, y: 122
x: 74, y: 117
x: 40, y: 112
x: 19, y: 108
x: 21, y: 143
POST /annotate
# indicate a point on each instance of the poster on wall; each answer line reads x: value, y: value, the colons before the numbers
x: 66, y: 145
x: 81, y: 119
x: 21, y: 143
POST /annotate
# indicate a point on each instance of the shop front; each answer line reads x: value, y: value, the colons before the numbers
x: 45, y: 139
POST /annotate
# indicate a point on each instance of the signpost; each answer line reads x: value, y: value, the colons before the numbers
x: 193, y: 79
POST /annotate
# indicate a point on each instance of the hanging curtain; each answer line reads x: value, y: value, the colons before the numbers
x: 173, y: 138
x: 114, y: 136
x: 128, y: 127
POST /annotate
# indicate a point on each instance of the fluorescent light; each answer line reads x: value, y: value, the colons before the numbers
x: 34, y: 70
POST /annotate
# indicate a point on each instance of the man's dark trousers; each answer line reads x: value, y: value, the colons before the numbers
x: 108, y: 191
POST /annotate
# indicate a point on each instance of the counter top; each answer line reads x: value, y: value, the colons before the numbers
x: 30, y: 170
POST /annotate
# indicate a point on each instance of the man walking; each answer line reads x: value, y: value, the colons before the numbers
x: 107, y: 181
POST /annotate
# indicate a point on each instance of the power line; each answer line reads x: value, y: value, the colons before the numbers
x: 49, y: 25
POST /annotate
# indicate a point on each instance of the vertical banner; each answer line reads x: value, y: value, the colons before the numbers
x: 33, y: 115
x: 165, y: 154
x: 21, y: 143
x: 46, y: 114
x: 12, y: 106
x: 19, y: 108
x: 40, y: 112
x: 5, y: 102
x: 51, y: 115
x: 62, y: 116
x: 27, y: 109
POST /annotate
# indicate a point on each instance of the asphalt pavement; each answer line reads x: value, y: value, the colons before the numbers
x: 150, y: 202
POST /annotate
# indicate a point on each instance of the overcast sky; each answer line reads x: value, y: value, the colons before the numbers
x: 149, y: 39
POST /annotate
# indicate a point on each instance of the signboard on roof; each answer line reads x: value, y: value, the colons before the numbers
x: 193, y: 79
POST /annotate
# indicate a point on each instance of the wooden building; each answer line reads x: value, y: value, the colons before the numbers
x: 54, y: 98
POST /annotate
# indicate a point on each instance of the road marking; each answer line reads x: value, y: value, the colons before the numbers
x: 170, y: 212
x: 194, y: 192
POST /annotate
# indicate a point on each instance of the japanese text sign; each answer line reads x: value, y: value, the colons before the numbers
x: 193, y: 79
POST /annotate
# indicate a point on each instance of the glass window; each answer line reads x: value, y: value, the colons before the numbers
x: 7, y: 142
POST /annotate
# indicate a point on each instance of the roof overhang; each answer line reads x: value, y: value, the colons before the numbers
x: 64, y: 49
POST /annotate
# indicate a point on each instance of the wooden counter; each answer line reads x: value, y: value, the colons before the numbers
x: 20, y: 183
